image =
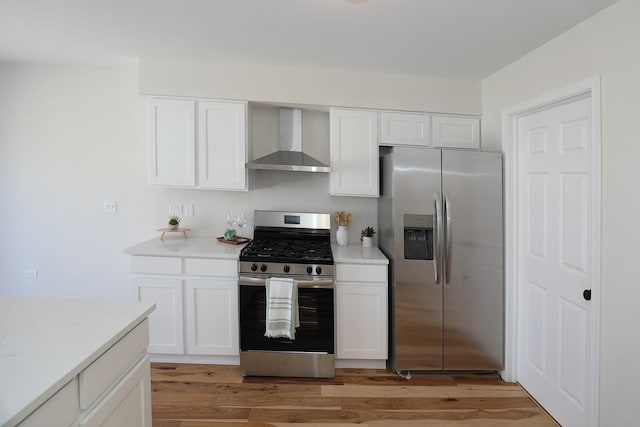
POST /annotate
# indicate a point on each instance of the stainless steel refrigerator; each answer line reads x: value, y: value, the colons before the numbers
x: 440, y: 224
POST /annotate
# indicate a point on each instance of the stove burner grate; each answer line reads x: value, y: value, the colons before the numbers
x: 282, y: 250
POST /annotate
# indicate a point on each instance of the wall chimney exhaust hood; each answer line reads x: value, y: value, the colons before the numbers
x: 289, y: 156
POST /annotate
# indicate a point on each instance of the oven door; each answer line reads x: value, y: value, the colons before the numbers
x: 316, y: 313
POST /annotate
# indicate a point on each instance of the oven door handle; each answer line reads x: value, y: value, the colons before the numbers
x: 257, y: 281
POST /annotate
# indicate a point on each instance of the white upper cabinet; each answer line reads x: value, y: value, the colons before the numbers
x: 405, y: 129
x: 222, y: 145
x: 456, y: 132
x: 354, y: 152
x: 172, y: 142
x: 219, y: 132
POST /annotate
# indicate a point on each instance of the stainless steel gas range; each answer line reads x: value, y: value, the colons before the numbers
x: 288, y: 245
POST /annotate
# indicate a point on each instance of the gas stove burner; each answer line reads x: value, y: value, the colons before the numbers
x: 282, y: 250
x: 289, y: 238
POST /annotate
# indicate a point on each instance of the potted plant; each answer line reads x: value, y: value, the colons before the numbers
x: 174, y: 222
x: 366, y: 236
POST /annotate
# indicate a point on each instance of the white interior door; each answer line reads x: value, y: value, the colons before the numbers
x: 555, y: 181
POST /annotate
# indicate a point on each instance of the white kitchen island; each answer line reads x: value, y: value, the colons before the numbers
x: 73, y: 362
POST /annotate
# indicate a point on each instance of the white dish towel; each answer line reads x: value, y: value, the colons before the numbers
x: 281, y: 308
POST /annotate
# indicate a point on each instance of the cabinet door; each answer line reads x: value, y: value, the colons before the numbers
x: 456, y: 132
x: 361, y: 320
x: 405, y: 129
x: 165, y: 323
x: 222, y: 145
x: 212, y: 317
x: 61, y: 410
x: 103, y: 372
x: 172, y: 142
x: 128, y: 404
x: 354, y: 152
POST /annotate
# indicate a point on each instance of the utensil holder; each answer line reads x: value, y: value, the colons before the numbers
x: 342, y: 236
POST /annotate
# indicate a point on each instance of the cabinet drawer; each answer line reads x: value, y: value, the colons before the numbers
x: 361, y: 273
x: 156, y: 265
x: 128, y: 404
x: 211, y: 267
x: 59, y: 411
x: 102, y: 373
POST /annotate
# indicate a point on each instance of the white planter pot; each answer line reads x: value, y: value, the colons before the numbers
x: 367, y: 242
x: 342, y: 236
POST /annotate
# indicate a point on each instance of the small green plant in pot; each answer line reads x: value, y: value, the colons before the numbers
x: 366, y: 236
x: 174, y: 222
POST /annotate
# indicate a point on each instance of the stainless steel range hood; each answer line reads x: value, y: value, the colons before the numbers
x: 289, y: 157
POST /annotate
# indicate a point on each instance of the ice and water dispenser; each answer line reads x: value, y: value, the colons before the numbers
x: 418, y: 236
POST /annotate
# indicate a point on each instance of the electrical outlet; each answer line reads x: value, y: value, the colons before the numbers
x: 175, y: 208
x: 110, y: 206
x: 31, y: 274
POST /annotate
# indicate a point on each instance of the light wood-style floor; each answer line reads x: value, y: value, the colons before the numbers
x: 214, y: 395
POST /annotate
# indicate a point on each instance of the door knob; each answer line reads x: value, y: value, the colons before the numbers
x: 587, y: 294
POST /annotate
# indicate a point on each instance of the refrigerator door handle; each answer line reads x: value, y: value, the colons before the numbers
x: 437, y: 246
x: 448, y: 240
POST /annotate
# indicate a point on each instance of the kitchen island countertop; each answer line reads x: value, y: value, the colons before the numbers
x: 45, y: 342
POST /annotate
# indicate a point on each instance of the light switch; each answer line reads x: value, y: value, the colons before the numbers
x: 31, y: 274
x: 110, y: 206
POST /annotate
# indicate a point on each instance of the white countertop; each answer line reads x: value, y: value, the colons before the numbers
x: 357, y: 254
x: 209, y: 247
x: 45, y: 342
x: 196, y: 247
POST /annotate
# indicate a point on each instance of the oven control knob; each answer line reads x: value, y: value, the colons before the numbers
x: 254, y: 267
x: 309, y: 270
x: 286, y: 269
x: 318, y: 270
x: 263, y: 267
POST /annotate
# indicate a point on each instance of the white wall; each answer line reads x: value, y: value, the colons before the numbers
x: 308, y: 86
x: 73, y: 137
x: 606, y: 44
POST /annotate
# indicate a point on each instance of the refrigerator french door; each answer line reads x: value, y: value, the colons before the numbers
x: 440, y: 223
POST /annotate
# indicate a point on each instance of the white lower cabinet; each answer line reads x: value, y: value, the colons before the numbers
x: 165, y: 323
x: 196, y: 306
x: 362, y: 320
x: 361, y: 317
x: 128, y: 404
x: 61, y: 410
x: 113, y: 391
x: 212, y: 317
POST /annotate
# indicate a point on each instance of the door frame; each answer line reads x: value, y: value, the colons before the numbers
x: 510, y: 145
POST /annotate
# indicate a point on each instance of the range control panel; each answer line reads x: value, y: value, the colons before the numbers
x: 285, y: 269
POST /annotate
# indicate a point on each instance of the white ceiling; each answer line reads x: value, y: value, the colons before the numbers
x: 445, y: 38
